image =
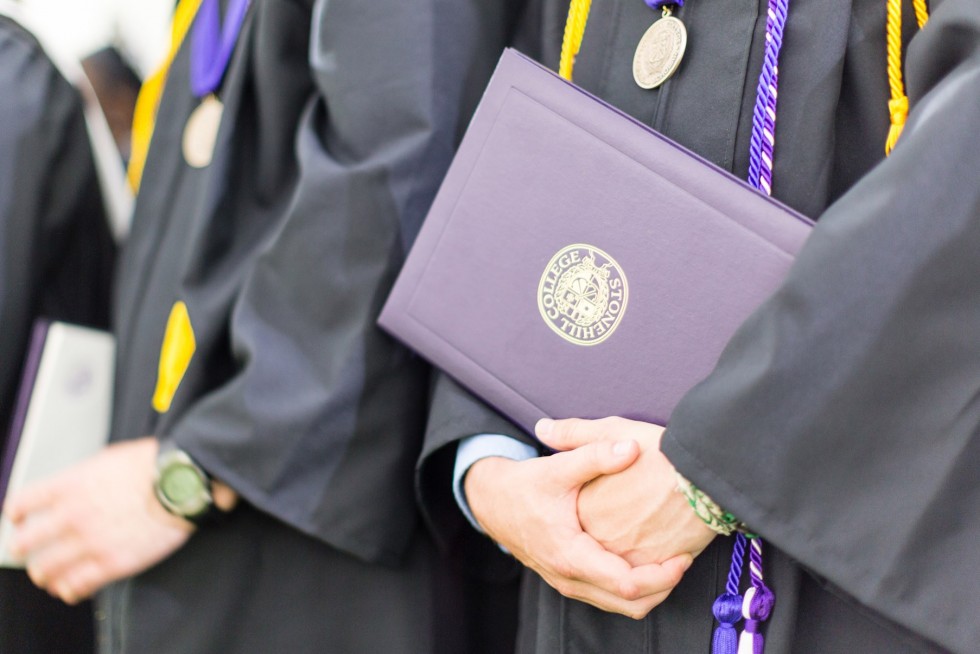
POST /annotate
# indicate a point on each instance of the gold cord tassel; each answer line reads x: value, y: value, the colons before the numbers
x: 898, y: 105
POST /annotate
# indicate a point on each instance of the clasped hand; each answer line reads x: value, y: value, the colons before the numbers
x: 600, y: 520
x: 95, y: 523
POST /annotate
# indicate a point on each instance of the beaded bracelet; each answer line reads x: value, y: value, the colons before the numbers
x: 717, y: 519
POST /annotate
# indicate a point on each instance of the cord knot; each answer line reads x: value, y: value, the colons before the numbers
x: 899, y: 110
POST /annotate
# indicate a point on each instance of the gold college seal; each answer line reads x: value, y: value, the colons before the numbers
x: 582, y: 295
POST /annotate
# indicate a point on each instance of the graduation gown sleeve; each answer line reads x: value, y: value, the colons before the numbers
x: 842, y: 420
x: 456, y: 414
x: 321, y: 423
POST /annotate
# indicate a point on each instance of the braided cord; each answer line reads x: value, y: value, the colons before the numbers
x: 758, y: 601
x: 735, y: 571
x: 921, y: 12
x: 763, y: 140
x: 145, y: 113
x: 898, y: 105
x: 578, y: 16
x: 757, y: 604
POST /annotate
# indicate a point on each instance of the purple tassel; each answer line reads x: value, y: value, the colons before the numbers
x: 756, y: 608
x: 728, y: 607
x: 728, y: 611
x: 757, y: 605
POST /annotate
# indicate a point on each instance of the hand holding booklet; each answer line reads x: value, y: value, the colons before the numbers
x: 575, y: 263
x: 62, y: 412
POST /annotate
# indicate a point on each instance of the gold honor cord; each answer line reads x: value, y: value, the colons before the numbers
x: 144, y: 116
x: 578, y: 16
x: 898, y: 105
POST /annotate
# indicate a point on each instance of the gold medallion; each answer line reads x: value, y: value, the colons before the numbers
x: 201, y: 132
x: 659, y: 52
x: 582, y: 294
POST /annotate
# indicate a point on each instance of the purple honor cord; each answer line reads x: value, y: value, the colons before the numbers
x: 728, y: 607
x: 213, y: 42
x: 758, y: 601
x: 763, y: 139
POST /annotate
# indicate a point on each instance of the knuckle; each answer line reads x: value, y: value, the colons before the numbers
x: 563, y: 568
x: 629, y: 590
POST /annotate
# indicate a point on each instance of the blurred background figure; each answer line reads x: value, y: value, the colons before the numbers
x: 116, y: 87
x: 118, y: 43
x: 64, y: 207
x: 139, y: 31
x: 56, y: 261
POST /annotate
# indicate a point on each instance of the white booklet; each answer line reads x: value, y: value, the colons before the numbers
x: 62, y: 412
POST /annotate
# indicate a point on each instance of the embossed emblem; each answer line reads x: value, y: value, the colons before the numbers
x: 659, y: 53
x: 582, y: 295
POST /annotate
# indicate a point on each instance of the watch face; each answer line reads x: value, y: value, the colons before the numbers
x: 181, y: 486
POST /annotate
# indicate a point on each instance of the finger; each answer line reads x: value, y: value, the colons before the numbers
x: 30, y: 500
x: 581, y: 569
x: 586, y: 562
x: 572, y: 433
x: 64, y: 592
x: 585, y: 463
x: 606, y: 601
x: 655, y: 578
x: 81, y: 582
x: 48, y: 566
x: 37, y: 532
x: 637, y: 596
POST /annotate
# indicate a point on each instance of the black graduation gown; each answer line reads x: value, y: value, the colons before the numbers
x: 840, y: 421
x: 56, y: 260
x: 340, y: 119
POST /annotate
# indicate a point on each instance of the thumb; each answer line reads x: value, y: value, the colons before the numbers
x: 585, y: 463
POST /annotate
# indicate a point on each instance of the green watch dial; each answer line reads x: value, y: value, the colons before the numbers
x: 181, y: 485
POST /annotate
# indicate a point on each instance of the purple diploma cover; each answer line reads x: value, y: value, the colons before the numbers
x: 575, y: 263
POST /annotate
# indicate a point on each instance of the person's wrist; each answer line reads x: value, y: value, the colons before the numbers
x: 477, y: 486
x: 711, y: 514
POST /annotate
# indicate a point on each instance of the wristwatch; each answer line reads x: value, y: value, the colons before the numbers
x: 182, y: 486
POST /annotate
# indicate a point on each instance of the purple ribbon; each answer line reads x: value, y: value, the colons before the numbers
x: 213, y: 42
x: 660, y: 4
